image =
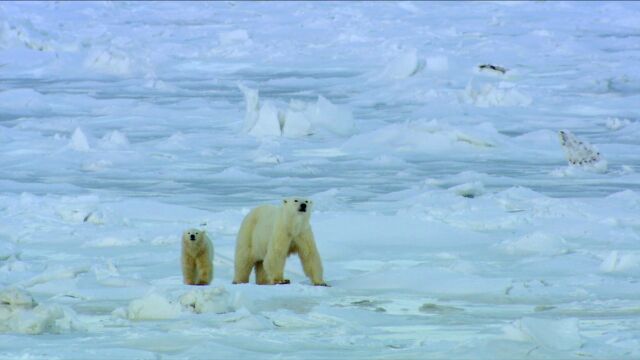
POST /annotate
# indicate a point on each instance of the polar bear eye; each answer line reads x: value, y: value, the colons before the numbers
x: 306, y: 202
x: 295, y: 200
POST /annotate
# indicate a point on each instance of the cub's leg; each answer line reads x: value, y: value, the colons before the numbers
x: 188, y: 270
x: 205, y: 271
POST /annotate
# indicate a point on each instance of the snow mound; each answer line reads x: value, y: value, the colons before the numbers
x: 79, y: 141
x: 300, y: 119
x: 150, y: 307
x: 269, y: 121
x: 114, y: 140
x: 469, y: 190
x: 16, y: 298
x: 205, y: 300
x: 96, y: 166
x: 616, y: 123
x: 489, y: 95
x: 56, y: 272
x: 266, y: 153
x: 552, y: 334
x: 261, y: 120
x: 325, y: 115
x: 404, y: 65
x: 297, y: 123
x: 426, y: 136
x: 621, y: 262
x: 536, y: 243
x: 27, y: 36
x: 252, y: 107
x: 19, y: 313
x: 580, y: 153
x: 109, y: 61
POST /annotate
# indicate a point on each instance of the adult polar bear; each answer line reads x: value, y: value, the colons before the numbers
x: 268, y: 235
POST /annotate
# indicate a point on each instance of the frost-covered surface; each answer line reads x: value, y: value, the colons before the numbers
x: 448, y: 219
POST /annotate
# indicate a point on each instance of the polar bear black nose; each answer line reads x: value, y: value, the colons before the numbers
x: 193, y: 237
x: 303, y: 207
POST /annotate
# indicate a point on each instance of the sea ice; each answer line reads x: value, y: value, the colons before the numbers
x: 151, y: 307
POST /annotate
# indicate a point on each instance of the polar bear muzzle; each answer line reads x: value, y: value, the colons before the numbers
x: 192, y: 237
x: 303, y: 207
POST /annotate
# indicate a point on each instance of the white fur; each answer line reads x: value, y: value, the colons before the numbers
x: 197, y: 258
x: 268, y: 235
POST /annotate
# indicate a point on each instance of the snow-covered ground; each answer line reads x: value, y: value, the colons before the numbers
x: 449, y: 221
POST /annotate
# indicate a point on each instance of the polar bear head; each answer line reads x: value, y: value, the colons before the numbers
x: 297, y: 205
x: 298, y: 208
x: 193, y: 238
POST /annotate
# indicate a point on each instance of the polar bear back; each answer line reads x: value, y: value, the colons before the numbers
x: 264, y: 219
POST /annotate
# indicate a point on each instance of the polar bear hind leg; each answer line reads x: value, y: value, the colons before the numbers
x: 243, y: 262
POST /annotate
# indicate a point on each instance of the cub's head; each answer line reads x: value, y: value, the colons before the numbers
x: 193, y: 237
x: 298, y: 206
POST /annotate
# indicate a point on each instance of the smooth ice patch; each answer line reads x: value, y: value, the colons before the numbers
x: 7, y: 250
x: 438, y: 63
x: 109, y: 61
x: 553, y: 334
x: 537, y: 243
x: 234, y: 37
x: 20, y: 101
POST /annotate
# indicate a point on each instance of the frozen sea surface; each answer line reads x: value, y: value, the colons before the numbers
x: 449, y: 222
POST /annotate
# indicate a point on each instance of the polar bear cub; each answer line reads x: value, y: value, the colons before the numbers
x: 268, y: 235
x: 197, y: 257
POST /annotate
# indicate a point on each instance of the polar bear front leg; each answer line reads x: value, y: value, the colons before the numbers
x: 261, y: 275
x: 188, y: 270
x: 274, y: 260
x: 204, y: 269
x: 310, y: 258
